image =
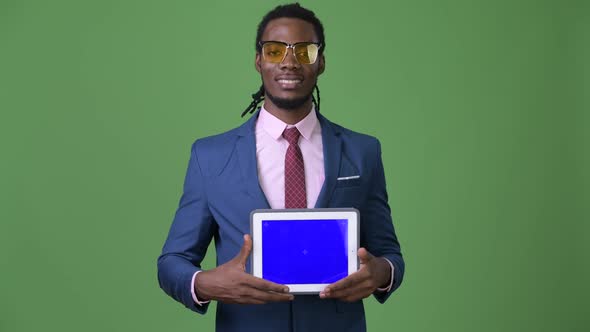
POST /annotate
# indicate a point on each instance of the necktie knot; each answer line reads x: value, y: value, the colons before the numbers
x: 292, y: 135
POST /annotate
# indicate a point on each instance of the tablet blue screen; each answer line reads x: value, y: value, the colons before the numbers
x: 304, y: 251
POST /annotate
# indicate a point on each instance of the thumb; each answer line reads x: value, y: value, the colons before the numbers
x: 364, y: 255
x: 242, y: 257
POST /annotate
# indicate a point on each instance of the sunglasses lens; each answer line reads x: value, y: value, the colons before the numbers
x: 273, y: 52
x: 306, y: 53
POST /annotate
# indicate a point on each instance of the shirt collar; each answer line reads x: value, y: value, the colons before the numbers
x: 275, y: 127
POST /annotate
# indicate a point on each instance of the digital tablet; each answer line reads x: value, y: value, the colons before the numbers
x: 305, y: 249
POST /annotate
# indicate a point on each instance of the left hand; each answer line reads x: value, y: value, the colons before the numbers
x: 374, y: 273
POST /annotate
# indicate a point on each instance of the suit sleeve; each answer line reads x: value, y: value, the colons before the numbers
x: 378, y: 234
x: 191, y: 232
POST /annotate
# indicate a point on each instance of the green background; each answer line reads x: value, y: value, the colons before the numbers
x: 481, y: 108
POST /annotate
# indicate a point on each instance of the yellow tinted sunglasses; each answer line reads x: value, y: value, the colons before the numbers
x: 275, y: 51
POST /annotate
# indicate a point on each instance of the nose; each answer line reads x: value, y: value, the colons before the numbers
x: 290, y: 62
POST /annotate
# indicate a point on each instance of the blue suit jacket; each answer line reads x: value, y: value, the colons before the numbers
x: 221, y: 189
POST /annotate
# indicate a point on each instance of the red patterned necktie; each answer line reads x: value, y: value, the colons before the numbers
x: 295, y: 197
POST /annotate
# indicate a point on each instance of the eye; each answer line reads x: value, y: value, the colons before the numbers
x: 303, y: 55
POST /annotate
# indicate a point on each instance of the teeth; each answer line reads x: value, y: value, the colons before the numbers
x: 289, y: 81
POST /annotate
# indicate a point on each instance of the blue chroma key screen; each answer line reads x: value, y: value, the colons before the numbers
x: 304, y: 251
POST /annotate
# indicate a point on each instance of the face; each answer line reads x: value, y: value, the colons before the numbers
x: 289, y: 84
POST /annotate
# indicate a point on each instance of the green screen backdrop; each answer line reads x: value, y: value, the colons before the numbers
x: 481, y: 108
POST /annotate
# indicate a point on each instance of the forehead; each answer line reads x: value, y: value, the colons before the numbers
x: 289, y: 30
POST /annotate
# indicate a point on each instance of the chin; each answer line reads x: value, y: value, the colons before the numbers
x: 289, y: 103
x: 290, y: 100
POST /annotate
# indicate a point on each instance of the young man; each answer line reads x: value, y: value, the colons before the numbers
x: 286, y: 156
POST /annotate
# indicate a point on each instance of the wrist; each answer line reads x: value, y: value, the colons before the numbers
x: 385, y: 273
x: 199, y: 286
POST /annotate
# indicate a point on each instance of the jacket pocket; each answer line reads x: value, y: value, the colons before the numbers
x: 344, y: 182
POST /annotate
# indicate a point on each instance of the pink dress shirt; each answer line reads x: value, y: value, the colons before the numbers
x: 271, y: 148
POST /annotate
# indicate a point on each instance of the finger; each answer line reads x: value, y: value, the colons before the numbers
x: 242, y: 257
x: 354, y: 297
x: 353, y: 293
x: 256, y: 295
x: 249, y: 301
x: 364, y: 255
x: 241, y: 299
x: 277, y: 297
x: 347, y: 282
x: 265, y: 285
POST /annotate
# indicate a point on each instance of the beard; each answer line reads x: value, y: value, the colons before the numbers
x: 288, y: 103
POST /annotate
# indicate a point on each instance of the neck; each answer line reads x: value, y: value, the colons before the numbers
x: 288, y: 116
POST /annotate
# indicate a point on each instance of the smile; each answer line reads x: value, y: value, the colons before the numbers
x: 289, y: 83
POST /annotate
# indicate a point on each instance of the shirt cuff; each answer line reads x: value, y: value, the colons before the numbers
x: 195, y: 298
x: 385, y: 289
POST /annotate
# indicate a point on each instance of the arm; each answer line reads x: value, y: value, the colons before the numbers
x: 189, y: 236
x: 186, y: 246
x: 379, y: 236
x: 379, y: 243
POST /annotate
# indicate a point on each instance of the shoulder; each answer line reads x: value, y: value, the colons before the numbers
x: 354, y: 140
x: 213, y: 143
x: 213, y: 152
x: 359, y: 149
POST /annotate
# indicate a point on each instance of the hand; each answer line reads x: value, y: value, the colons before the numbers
x: 229, y: 283
x: 373, y: 273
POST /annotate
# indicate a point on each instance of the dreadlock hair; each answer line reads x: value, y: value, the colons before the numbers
x: 293, y: 10
x: 257, y: 97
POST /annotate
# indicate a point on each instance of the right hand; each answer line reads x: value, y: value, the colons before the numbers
x: 229, y: 283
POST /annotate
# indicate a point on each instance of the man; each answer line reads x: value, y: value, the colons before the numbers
x: 287, y: 146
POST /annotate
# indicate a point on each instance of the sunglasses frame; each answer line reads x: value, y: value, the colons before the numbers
x: 289, y: 46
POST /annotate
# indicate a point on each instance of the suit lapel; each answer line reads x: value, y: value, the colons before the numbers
x: 332, y: 146
x: 246, y: 150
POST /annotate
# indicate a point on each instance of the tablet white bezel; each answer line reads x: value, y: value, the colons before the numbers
x: 257, y: 216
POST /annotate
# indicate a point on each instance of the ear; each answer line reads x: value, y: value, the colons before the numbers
x: 257, y: 62
x: 322, y: 64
